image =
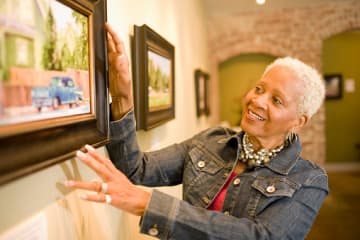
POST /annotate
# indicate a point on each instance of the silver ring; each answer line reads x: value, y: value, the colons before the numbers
x: 108, y: 199
x: 104, y: 187
x: 121, y: 55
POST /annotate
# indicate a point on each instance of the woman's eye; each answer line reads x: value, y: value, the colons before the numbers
x: 277, y: 101
x: 258, y: 89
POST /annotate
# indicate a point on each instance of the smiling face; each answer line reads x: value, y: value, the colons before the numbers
x: 270, y: 109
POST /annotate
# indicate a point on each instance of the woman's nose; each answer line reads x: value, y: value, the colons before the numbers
x: 260, y: 101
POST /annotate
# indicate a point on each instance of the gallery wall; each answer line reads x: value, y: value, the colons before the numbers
x: 39, y: 204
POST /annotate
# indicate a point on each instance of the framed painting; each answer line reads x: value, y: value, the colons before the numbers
x: 201, y: 93
x: 53, y: 82
x: 154, y: 78
x: 333, y: 86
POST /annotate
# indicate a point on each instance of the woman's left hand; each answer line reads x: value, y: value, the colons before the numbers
x: 116, y: 188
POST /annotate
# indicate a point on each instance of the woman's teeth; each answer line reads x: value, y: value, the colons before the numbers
x: 256, y: 116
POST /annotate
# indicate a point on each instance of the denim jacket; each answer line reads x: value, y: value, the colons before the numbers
x: 277, y: 201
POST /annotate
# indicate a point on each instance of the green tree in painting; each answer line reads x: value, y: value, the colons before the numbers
x: 159, y: 82
x: 49, y: 59
x: 81, y: 53
x: 151, y: 71
x: 67, y: 59
x: 157, y: 79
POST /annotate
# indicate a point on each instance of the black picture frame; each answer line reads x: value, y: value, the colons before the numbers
x: 152, y: 52
x: 202, y: 93
x: 32, y: 146
x: 333, y: 86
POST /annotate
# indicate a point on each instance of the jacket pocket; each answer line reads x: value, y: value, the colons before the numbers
x: 203, y: 161
x: 268, y: 190
x: 275, y: 186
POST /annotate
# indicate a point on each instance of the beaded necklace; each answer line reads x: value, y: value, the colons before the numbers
x: 256, y: 158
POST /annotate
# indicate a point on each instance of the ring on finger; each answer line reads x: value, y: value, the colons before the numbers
x: 104, y: 187
x: 121, y: 55
x: 108, y: 199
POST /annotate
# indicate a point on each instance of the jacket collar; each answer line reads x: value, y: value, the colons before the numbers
x: 284, y: 161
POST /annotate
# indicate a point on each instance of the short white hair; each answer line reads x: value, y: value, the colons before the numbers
x: 314, y: 88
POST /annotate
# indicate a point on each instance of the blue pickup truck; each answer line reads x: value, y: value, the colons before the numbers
x: 62, y: 90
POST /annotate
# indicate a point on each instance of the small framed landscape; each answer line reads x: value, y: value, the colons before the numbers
x: 53, y: 82
x: 154, y: 78
x: 201, y: 93
x: 333, y: 86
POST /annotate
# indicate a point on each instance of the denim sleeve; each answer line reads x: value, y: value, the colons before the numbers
x: 157, y: 168
x: 290, y: 218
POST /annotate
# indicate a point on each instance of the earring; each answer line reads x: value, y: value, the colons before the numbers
x: 291, y: 137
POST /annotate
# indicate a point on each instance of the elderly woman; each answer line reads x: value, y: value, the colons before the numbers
x: 251, y: 184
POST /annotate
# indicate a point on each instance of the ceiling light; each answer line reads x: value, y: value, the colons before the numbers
x: 260, y: 2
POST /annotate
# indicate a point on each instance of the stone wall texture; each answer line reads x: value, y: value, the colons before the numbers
x: 295, y: 32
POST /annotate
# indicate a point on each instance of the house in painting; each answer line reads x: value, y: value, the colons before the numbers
x: 22, y: 28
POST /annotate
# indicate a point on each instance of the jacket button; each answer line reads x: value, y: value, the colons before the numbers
x: 236, y: 181
x: 153, y: 231
x: 271, y: 189
x: 201, y: 164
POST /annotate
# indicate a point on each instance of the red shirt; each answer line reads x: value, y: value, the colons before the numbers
x: 219, y: 199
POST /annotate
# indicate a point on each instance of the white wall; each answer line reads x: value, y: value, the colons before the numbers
x: 42, y: 201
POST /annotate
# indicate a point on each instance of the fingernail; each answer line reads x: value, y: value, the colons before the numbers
x: 69, y: 183
x: 80, y: 154
x: 89, y: 147
x: 83, y: 196
x: 83, y: 149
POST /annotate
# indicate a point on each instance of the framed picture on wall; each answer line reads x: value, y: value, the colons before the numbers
x: 333, y: 86
x: 154, y: 78
x: 201, y: 93
x: 53, y: 82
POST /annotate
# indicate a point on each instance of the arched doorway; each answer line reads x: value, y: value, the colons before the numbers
x: 341, y: 55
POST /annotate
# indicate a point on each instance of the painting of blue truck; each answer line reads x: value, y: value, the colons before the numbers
x: 44, y: 62
x: 61, y: 91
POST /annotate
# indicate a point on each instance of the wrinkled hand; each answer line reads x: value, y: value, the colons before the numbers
x: 119, y: 74
x: 124, y: 195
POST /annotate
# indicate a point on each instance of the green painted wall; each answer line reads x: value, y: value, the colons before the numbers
x: 237, y: 75
x: 341, y: 54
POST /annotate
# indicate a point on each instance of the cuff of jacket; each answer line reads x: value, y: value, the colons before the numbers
x: 122, y: 127
x: 159, y: 215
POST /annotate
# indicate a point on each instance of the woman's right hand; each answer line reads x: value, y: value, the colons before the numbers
x: 119, y: 75
x: 119, y: 191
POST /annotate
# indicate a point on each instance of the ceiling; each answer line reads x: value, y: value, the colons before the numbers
x: 215, y: 7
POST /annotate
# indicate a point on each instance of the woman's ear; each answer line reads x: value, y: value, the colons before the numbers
x: 301, y: 121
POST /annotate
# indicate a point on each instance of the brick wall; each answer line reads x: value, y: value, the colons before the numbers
x: 296, y: 32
